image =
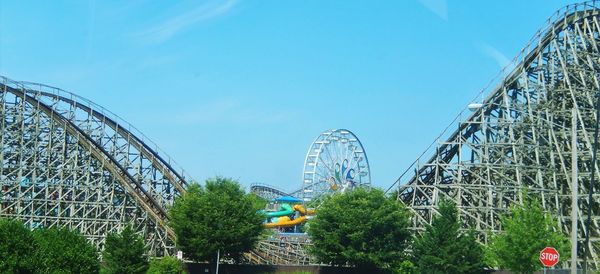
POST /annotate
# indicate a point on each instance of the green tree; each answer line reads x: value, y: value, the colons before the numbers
x: 361, y: 228
x: 527, y: 229
x: 64, y: 251
x: 218, y: 217
x: 17, y: 247
x: 393, y: 195
x: 442, y: 248
x: 125, y: 252
x: 405, y: 267
x: 165, y: 265
x: 257, y: 201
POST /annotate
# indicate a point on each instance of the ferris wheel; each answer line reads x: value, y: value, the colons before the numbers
x: 336, y: 162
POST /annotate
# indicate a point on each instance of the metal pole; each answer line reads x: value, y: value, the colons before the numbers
x: 575, y: 192
x: 218, y: 253
x: 591, y: 187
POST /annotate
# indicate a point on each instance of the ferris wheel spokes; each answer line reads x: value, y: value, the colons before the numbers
x: 336, y: 162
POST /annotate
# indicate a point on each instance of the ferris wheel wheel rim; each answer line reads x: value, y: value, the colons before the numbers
x: 310, y: 168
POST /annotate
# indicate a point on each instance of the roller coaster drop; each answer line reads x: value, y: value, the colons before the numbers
x: 520, y: 136
x: 68, y: 162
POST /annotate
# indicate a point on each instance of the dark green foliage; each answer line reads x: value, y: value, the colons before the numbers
x: 257, y: 201
x: 124, y: 253
x: 526, y: 231
x: 444, y: 249
x: 165, y: 265
x: 405, y: 267
x: 44, y: 250
x: 361, y: 228
x: 219, y: 216
x: 17, y: 247
x: 393, y: 195
x: 64, y: 251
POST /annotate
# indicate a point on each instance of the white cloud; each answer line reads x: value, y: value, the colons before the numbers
x: 439, y: 7
x: 165, y: 30
x: 494, y: 53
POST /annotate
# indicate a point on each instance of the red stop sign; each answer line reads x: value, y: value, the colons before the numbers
x: 549, y: 256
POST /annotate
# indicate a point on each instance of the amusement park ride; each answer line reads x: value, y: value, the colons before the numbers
x: 68, y: 162
x: 287, y: 212
x: 336, y: 162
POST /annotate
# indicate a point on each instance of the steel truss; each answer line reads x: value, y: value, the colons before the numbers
x: 520, y: 136
x: 68, y: 162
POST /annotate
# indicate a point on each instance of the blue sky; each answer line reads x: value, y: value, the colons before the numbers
x: 241, y: 88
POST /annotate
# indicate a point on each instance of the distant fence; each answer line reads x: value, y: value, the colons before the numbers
x: 203, y: 268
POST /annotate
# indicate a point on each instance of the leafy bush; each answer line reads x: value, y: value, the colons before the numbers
x: 527, y: 230
x: 17, y: 247
x: 219, y: 216
x: 165, y: 265
x: 124, y: 253
x: 60, y: 250
x: 361, y: 228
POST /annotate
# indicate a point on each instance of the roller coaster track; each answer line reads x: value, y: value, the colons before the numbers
x: 270, y: 192
x: 266, y: 191
x: 519, y: 137
x: 282, y: 250
x: 69, y: 162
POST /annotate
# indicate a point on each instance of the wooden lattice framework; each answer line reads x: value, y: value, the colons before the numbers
x: 68, y: 162
x: 519, y: 137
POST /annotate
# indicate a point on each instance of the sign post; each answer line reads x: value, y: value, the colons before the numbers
x: 549, y: 257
